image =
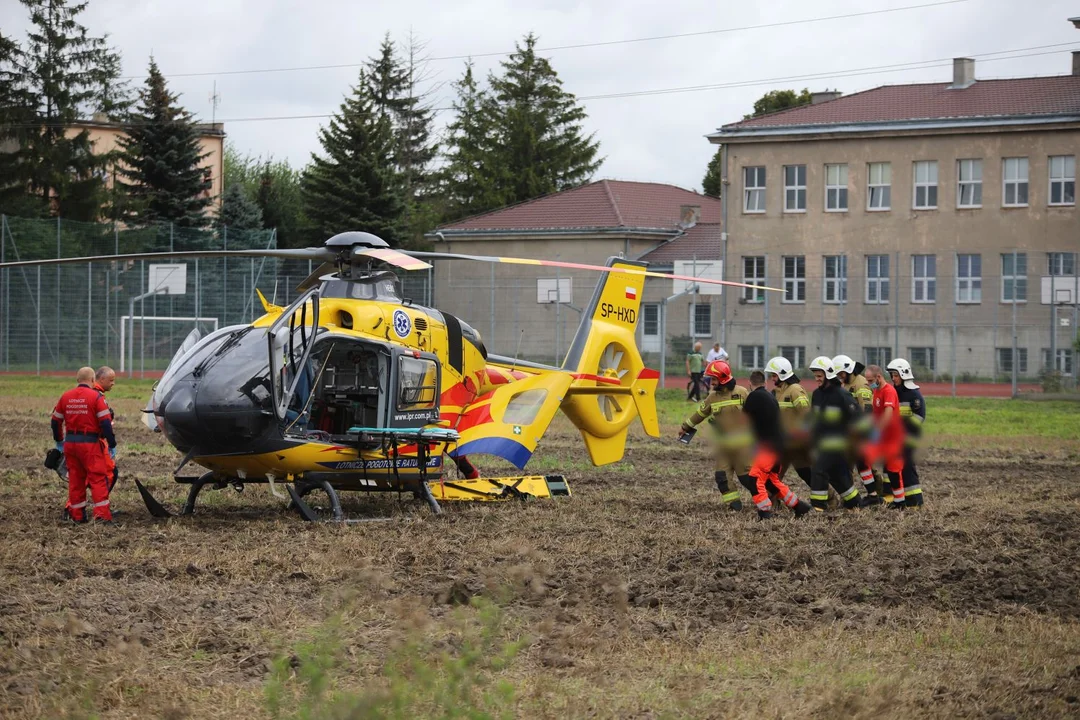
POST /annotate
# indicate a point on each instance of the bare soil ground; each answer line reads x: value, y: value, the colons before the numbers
x: 637, y: 597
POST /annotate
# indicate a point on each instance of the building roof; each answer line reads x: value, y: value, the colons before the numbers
x: 601, y: 205
x: 701, y: 241
x: 984, y: 99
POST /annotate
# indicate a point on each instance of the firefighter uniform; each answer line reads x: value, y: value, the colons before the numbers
x: 764, y: 481
x: 794, y: 415
x: 84, y: 416
x: 836, y: 415
x: 723, y: 408
x: 110, y: 464
x: 913, y: 413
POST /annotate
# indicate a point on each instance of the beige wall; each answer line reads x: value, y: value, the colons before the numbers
x: 900, y: 233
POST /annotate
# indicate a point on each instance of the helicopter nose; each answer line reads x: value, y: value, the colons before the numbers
x: 181, y: 424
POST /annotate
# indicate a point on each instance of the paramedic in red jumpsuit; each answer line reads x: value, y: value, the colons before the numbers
x: 84, y: 416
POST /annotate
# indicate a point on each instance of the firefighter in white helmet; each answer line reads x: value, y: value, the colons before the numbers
x: 794, y: 416
x: 851, y: 377
x: 836, y: 415
x: 913, y: 413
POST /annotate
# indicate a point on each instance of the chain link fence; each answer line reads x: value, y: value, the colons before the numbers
x: 950, y: 314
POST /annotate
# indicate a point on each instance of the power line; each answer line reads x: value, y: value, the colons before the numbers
x: 554, y: 48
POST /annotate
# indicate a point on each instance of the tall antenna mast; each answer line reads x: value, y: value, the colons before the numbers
x: 214, y: 100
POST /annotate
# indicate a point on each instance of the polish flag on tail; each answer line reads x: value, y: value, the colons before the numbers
x: 631, y: 293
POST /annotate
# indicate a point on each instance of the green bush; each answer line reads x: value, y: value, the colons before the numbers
x: 416, y: 680
x: 1051, y: 380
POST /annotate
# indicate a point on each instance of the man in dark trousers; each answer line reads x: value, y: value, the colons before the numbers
x: 835, y: 417
x: 764, y: 413
x: 84, y: 415
x: 913, y: 412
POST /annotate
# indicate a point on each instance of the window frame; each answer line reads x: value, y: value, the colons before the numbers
x: 927, y: 280
x: 882, y: 352
x: 1021, y: 352
x: 1066, y: 354
x: 759, y: 174
x: 1005, y: 182
x: 796, y: 188
x: 645, y: 309
x: 961, y: 183
x: 1021, y: 258
x: 839, y: 282
x: 758, y: 351
x: 871, y: 185
x: 694, y: 320
x: 926, y: 185
x: 796, y: 355
x: 1063, y: 180
x: 931, y: 354
x: 798, y: 281
x: 1052, y: 256
x: 878, y: 281
x: 840, y: 187
x: 755, y: 279
x: 969, y: 278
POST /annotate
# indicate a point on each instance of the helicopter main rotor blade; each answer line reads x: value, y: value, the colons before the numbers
x: 315, y: 277
x: 317, y: 254
x: 392, y: 257
x: 582, y: 266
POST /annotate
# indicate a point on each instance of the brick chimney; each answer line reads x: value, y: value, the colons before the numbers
x: 963, y: 73
x: 824, y: 96
x: 1076, y: 62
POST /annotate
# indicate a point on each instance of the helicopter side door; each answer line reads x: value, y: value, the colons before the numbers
x: 289, y: 341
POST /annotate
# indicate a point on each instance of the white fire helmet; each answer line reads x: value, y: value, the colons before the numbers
x: 781, y: 368
x: 824, y: 364
x: 843, y: 363
x: 903, y: 369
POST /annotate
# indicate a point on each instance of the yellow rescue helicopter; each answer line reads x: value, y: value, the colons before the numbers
x: 352, y: 387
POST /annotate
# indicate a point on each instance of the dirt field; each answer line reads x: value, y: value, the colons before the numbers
x: 637, y: 597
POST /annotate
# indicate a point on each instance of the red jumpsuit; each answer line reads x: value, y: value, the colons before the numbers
x: 890, y: 445
x: 85, y: 416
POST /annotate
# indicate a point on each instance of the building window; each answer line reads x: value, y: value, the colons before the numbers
x: 877, y: 279
x: 794, y: 188
x: 879, y: 195
x: 877, y: 356
x: 969, y: 278
x: 700, y: 319
x: 836, y: 188
x: 1064, y: 361
x: 1013, y: 279
x: 969, y: 183
x: 650, y: 319
x: 923, y: 278
x: 1062, y: 179
x: 751, y: 357
x: 754, y: 274
x: 1015, y: 177
x: 923, y: 358
x: 754, y: 190
x: 1061, y: 264
x: 796, y: 355
x: 1005, y: 361
x: 835, y: 279
x: 795, y: 278
x: 926, y: 185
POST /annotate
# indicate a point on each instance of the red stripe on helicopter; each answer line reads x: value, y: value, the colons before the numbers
x: 648, y: 374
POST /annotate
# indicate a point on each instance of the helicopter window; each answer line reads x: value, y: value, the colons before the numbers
x: 350, y: 378
x: 378, y: 288
x: 418, y: 383
x: 524, y: 407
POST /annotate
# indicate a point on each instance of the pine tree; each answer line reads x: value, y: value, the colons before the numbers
x: 541, y: 146
x: 162, y: 161
x: 16, y: 126
x: 468, y: 186
x: 67, y: 76
x: 713, y: 182
x: 238, y: 212
x: 354, y: 185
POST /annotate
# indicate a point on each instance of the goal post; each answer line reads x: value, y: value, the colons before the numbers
x: 125, y: 362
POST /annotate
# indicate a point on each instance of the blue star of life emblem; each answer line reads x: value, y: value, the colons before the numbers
x: 402, y: 323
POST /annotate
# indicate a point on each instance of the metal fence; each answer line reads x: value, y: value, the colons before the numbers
x: 950, y: 314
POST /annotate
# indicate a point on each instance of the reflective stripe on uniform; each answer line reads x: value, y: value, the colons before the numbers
x: 57, y: 415
x: 103, y: 413
x: 736, y: 440
x: 854, y: 491
x: 916, y: 418
x: 833, y: 413
x: 801, y: 401
x: 784, y: 404
x: 832, y: 443
x: 905, y: 411
x: 819, y: 496
x: 730, y: 497
x: 914, y: 491
x: 765, y: 504
x: 103, y: 503
x: 79, y: 506
x: 791, y: 499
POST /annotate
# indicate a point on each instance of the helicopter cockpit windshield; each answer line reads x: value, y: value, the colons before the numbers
x: 383, y: 286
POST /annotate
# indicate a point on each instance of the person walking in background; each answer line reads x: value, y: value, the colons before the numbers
x: 80, y: 420
x: 104, y: 380
x: 695, y: 366
x: 715, y: 353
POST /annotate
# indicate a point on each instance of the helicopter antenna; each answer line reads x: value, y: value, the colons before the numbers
x: 518, y: 350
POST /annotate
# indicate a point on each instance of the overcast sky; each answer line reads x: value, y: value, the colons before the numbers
x: 652, y: 138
